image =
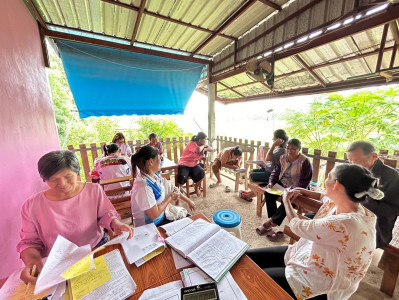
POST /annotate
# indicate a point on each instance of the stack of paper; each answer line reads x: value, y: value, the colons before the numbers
x: 144, y: 245
x: 276, y: 189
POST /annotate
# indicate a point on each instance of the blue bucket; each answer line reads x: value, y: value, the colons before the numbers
x: 227, y: 218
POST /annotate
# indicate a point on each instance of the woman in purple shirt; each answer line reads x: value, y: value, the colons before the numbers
x: 78, y: 211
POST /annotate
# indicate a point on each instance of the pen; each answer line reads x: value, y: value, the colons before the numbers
x: 32, y: 273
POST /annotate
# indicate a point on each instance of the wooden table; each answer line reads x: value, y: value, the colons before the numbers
x: 167, y: 164
x: 255, y: 283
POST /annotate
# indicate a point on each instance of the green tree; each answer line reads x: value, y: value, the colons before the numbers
x: 333, y: 121
x: 164, y: 128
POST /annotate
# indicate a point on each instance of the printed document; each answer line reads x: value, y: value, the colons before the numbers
x: 173, y: 227
x: 170, y: 291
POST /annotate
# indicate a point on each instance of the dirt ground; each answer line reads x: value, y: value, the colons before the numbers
x: 217, y: 198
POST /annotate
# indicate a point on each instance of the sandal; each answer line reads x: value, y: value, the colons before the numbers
x: 275, y: 236
x: 262, y: 230
x: 212, y: 185
x: 227, y: 189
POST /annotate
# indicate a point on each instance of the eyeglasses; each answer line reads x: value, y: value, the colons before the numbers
x: 291, y: 149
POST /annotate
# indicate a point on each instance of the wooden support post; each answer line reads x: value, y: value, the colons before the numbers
x: 130, y: 143
x: 175, y: 150
x: 181, y: 145
x: 85, y: 162
x: 330, y: 164
x: 316, y: 165
x: 168, y: 149
x: 94, y: 154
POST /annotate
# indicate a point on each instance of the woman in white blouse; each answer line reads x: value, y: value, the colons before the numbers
x: 149, y: 199
x: 335, y: 248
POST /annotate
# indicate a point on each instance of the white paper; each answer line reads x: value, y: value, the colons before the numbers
x: 180, y: 261
x: 173, y: 227
x: 169, y: 291
x: 117, y: 240
x: 260, y: 163
x: 63, y: 255
x: 218, y: 254
x: 121, y: 286
x: 191, y: 236
x: 59, y: 291
x: 228, y: 288
x: 145, y: 240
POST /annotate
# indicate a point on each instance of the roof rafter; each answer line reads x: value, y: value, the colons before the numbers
x: 382, y: 46
x: 231, y: 89
x: 36, y: 13
x: 138, y: 20
x: 225, y: 24
x: 166, y: 18
x: 271, y: 4
x: 109, y: 44
x: 309, y: 69
x: 328, y: 37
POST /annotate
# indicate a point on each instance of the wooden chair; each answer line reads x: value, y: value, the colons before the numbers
x: 240, y: 174
x: 122, y: 204
x: 190, y: 184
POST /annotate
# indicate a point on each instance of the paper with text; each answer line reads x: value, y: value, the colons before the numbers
x: 121, y: 286
x: 88, y: 282
x: 170, y: 291
x: 228, y: 288
x: 191, y: 236
x: 146, y: 239
x: 180, y: 261
x: 277, y: 189
x: 146, y: 258
x: 173, y: 227
x: 63, y: 255
x: 218, y: 254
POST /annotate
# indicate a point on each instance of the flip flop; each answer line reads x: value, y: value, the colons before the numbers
x: 262, y: 230
x: 227, y: 189
x: 274, y: 236
x: 212, y: 185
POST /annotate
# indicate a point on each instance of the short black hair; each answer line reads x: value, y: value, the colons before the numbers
x: 297, y: 143
x: 281, y: 134
x: 199, y: 136
x: 56, y: 161
x: 141, y: 156
x: 366, y: 147
x: 110, y: 148
x: 152, y: 135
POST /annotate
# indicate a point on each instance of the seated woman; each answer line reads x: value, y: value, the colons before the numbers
x: 335, y: 248
x: 294, y: 170
x: 227, y: 158
x: 272, y: 159
x: 112, y: 165
x: 75, y: 210
x: 154, y: 142
x: 120, y: 140
x: 149, y: 199
x: 189, y: 161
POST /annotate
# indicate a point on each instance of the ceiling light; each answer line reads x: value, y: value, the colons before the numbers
x: 302, y: 39
x: 376, y: 9
x: 259, y: 57
x: 349, y: 20
x: 278, y: 49
x: 288, y: 45
x: 358, y: 16
x: 335, y: 26
x: 267, y: 53
x: 316, y: 33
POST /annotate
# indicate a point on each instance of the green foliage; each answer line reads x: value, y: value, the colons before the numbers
x: 164, y: 128
x: 333, y: 121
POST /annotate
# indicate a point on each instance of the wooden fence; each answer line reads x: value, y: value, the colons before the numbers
x: 174, y: 147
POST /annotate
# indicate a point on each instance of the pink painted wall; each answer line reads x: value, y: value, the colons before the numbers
x: 27, y: 122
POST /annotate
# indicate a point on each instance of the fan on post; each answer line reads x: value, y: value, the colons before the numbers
x: 261, y: 71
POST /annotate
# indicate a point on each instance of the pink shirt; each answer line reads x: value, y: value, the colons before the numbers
x: 75, y: 219
x: 190, y: 158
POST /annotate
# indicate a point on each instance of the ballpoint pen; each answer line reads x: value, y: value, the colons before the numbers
x: 32, y: 273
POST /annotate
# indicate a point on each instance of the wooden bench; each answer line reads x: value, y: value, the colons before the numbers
x: 259, y: 192
x: 236, y: 175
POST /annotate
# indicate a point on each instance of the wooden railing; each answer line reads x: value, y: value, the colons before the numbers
x: 174, y: 147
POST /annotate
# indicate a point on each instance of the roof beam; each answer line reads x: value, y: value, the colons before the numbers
x: 361, y: 25
x: 271, y: 4
x: 231, y: 89
x: 225, y: 24
x: 97, y: 42
x: 382, y: 46
x: 166, y: 18
x: 36, y: 13
x: 46, y: 59
x: 138, y: 20
x: 309, y: 69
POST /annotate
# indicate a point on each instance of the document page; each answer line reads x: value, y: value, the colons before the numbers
x: 180, y: 261
x: 144, y: 241
x: 169, y: 291
x: 121, y: 286
x: 191, y: 236
x: 228, y: 288
x: 277, y: 189
x: 63, y: 255
x: 173, y: 227
x: 218, y: 254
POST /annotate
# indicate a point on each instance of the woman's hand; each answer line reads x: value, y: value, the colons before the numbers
x: 31, y: 257
x: 191, y: 205
x: 277, y: 143
x: 117, y: 227
x: 292, y: 195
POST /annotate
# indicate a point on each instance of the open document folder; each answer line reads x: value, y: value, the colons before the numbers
x: 276, y: 190
x: 208, y: 246
x: 67, y: 261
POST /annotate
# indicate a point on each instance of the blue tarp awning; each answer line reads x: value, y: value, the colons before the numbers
x: 110, y: 82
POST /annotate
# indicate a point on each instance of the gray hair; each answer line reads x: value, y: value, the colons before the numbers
x: 56, y: 161
x: 366, y: 147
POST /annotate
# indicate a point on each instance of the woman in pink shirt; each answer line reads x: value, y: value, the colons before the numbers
x: 189, y: 161
x: 76, y: 210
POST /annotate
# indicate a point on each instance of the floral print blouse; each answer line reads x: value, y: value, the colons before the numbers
x: 333, y: 254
